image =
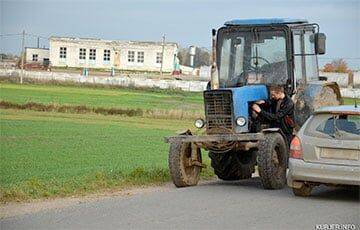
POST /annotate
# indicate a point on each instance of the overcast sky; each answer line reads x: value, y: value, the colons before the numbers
x: 183, y: 21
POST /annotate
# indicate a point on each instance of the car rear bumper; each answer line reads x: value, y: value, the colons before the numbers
x: 300, y: 170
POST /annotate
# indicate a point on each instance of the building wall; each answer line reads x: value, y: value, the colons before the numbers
x: 40, y: 52
x: 118, y: 54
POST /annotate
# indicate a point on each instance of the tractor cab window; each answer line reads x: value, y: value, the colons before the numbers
x: 298, y: 71
x: 310, y: 59
x: 253, y: 58
x: 305, y: 59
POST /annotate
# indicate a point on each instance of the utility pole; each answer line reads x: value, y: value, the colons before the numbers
x: 162, y: 55
x: 38, y: 42
x: 22, y: 56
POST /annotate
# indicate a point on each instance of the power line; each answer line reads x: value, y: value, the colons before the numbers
x: 38, y: 36
x: 348, y: 58
x: 26, y: 34
x: 5, y: 35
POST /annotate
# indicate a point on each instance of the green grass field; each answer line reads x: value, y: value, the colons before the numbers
x: 48, y: 154
x: 351, y: 101
x: 101, y: 97
x: 52, y: 154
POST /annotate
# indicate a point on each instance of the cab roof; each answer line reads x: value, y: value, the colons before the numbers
x: 264, y: 21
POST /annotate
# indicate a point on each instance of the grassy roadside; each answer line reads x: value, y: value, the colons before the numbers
x: 351, y: 101
x: 55, y: 154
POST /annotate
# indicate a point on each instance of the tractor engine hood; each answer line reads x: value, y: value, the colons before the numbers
x: 242, y: 97
x: 224, y: 106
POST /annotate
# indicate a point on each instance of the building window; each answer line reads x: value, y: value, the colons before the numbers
x: 106, y: 55
x: 92, y: 54
x: 82, y: 54
x: 131, y: 56
x: 140, y: 57
x: 35, y: 57
x: 62, y: 52
x: 158, y: 58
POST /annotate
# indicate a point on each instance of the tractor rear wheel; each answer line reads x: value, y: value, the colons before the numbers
x: 185, y: 164
x: 233, y: 165
x: 272, y: 161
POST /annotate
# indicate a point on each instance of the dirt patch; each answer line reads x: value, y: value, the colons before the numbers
x: 70, y: 108
x: 82, y: 109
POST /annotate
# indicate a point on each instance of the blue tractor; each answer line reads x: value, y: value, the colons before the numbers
x: 249, y: 56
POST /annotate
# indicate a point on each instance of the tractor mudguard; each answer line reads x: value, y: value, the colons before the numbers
x: 313, y: 95
x: 185, y: 132
x: 274, y: 130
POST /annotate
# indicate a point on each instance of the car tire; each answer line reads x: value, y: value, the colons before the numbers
x: 303, y: 191
x: 272, y: 161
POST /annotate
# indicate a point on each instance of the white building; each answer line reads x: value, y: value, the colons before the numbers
x: 104, y: 54
x: 36, y: 55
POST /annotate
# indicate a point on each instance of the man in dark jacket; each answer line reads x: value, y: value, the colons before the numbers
x: 280, y: 112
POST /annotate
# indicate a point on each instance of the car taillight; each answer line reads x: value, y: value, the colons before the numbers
x: 295, y: 148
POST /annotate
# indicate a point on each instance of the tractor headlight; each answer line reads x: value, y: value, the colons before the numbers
x: 240, y: 121
x: 199, y: 123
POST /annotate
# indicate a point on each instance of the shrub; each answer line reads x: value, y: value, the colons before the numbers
x: 338, y: 66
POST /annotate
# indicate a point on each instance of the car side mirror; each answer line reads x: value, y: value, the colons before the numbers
x: 320, y: 40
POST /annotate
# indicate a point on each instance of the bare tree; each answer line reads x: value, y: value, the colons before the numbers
x: 202, y: 57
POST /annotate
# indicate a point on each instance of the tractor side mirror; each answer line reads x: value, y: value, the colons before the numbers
x: 320, y: 40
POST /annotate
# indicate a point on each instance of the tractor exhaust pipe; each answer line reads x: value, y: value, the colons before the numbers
x: 214, y: 72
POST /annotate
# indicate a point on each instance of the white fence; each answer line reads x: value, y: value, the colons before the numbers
x: 342, y: 79
x: 125, y: 81
x: 140, y: 82
x: 353, y: 93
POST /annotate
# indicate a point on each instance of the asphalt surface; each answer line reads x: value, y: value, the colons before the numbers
x: 212, y: 205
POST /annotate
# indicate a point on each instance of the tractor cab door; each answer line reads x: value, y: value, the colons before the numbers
x: 305, y: 59
x: 310, y: 94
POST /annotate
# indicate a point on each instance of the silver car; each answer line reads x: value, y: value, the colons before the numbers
x: 326, y: 150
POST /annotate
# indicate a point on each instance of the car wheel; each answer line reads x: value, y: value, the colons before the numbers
x: 304, y: 190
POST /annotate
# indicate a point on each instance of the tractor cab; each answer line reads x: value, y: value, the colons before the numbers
x: 268, y: 51
x: 251, y: 55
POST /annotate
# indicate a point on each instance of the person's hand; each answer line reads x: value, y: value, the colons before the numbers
x: 256, y: 108
x: 260, y: 102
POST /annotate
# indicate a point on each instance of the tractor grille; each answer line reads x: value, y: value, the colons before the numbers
x: 218, y: 110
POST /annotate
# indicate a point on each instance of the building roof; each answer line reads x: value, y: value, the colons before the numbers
x: 77, y: 39
x: 264, y: 21
x: 37, y: 48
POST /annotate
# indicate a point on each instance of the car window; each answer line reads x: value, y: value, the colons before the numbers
x: 342, y: 127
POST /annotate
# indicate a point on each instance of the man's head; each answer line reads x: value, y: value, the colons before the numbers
x: 276, y: 92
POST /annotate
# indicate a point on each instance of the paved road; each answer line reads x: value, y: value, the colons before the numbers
x: 213, y: 205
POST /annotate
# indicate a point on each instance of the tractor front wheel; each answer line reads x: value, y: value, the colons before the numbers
x: 272, y: 161
x: 185, y: 164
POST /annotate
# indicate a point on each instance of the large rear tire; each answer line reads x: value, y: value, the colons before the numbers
x: 272, y: 161
x: 233, y: 165
x: 183, y: 169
